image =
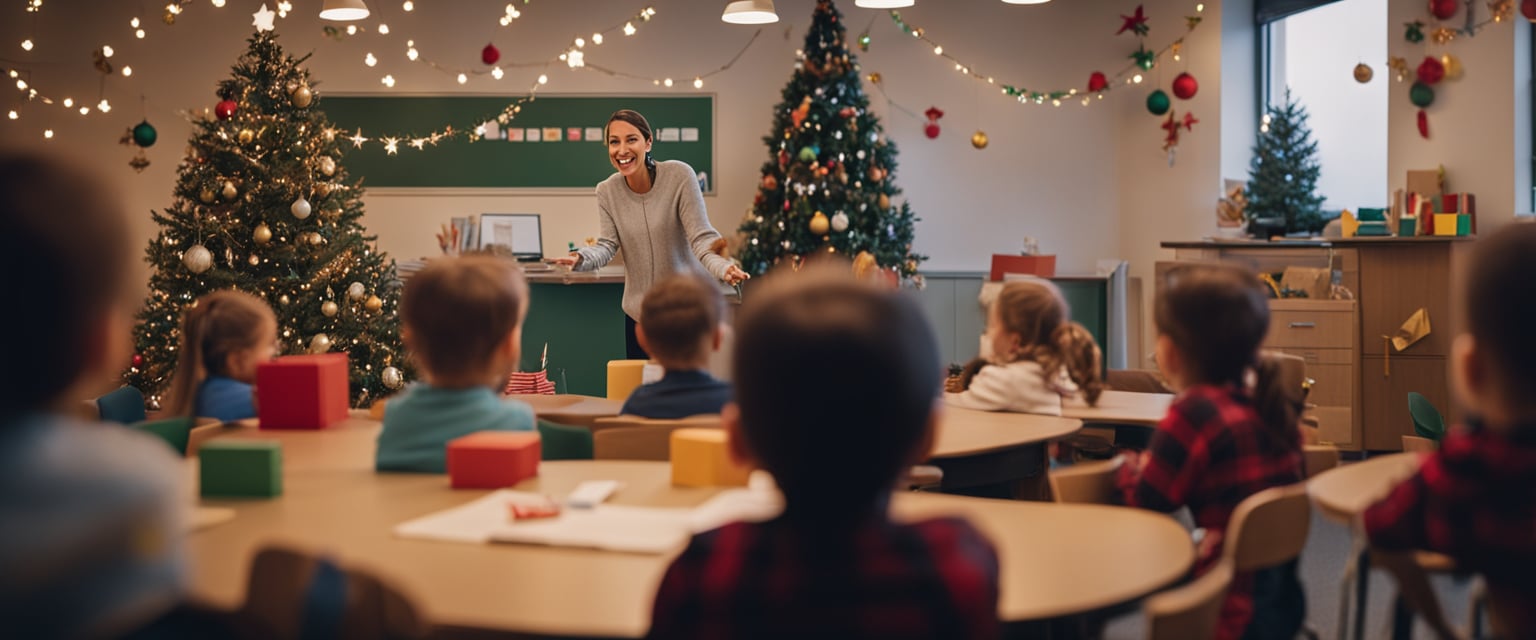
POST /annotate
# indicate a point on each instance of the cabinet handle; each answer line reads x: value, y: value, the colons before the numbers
x: 1303, y: 325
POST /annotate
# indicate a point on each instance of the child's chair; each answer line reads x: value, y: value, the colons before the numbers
x: 1189, y: 612
x: 1317, y: 458
x: 296, y: 595
x: 630, y: 438
x: 1269, y: 529
x: 124, y: 406
x: 1086, y: 482
x: 1427, y: 422
x: 176, y: 432
x: 624, y: 376
x: 561, y: 442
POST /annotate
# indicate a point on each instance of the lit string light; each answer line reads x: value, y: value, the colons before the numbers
x: 698, y: 79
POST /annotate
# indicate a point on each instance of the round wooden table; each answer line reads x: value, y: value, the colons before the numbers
x: 335, y: 503
x: 996, y: 453
x: 572, y: 410
x: 1344, y: 492
x: 1120, y: 407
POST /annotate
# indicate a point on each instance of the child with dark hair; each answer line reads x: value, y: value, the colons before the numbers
x: 1218, y: 445
x: 462, y: 320
x: 1475, y: 498
x: 834, y: 564
x: 680, y: 327
x: 92, y: 541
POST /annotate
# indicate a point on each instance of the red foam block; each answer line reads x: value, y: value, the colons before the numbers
x: 492, y: 459
x: 302, y: 392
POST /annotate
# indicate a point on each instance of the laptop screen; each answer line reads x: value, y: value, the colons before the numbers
x: 519, y: 232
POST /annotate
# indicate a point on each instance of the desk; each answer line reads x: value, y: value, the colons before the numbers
x: 1120, y: 407
x: 997, y: 450
x: 335, y: 503
x: 572, y: 410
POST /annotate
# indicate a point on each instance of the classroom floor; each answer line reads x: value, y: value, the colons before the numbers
x: 1322, y: 569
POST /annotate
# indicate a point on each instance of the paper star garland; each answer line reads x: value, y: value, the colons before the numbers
x: 1135, y: 23
x: 263, y: 18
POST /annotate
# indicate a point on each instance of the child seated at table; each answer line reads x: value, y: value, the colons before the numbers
x: 1218, y: 444
x: 1475, y: 498
x: 462, y: 320
x: 837, y: 386
x: 92, y: 544
x: 1038, y: 356
x: 224, y: 336
x: 680, y: 327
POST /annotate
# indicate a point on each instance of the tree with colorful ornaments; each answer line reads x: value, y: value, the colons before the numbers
x: 1282, y: 177
x: 828, y: 186
x: 262, y: 204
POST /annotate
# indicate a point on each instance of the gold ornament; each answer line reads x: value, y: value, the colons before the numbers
x: 328, y: 166
x: 1399, y: 67
x: 979, y: 140
x: 246, y: 136
x: 1442, y: 36
x: 284, y: 299
x: 1452, y: 64
x: 1501, y: 9
x: 373, y: 303
x: 301, y: 96
x: 1363, y: 73
x: 322, y: 189
x: 329, y: 135
x: 884, y: 201
x: 321, y: 343
x: 169, y: 17
x: 316, y: 238
x: 262, y: 234
x: 254, y: 260
x: 864, y: 265
x: 329, y: 309
x: 875, y: 78
x: 820, y: 224
x: 229, y: 190
x: 875, y: 174
x: 206, y: 195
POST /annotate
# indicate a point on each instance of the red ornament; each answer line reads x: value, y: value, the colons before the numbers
x: 1190, y: 121
x: 1135, y: 23
x: 1431, y: 70
x: 1184, y: 86
x: 932, y: 128
x: 1528, y: 9
x: 1443, y: 9
x: 225, y: 109
x: 1423, y: 125
x: 770, y: 183
x: 783, y: 159
x: 138, y: 359
x: 847, y: 112
x: 490, y: 54
x: 1097, y: 82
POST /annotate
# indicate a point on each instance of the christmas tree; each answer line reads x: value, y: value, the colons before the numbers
x: 1282, y: 178
x: 828, y: 185
x: 262, y: 205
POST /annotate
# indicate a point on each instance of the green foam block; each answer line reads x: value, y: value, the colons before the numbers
x: 240, y: 469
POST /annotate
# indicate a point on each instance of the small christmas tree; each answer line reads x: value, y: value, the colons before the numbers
x: 262, y: 205
x: 1282, y: 178
x: 828, y: 185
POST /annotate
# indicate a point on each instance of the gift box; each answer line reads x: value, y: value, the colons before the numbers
x: 1446, y: 223
x: 1373, y: 229
x: 1043, y: 266
x: 702, y: 458
x: 240, y: 469
x: 1462, y: 203
x: 302, y: 392
x: 492, y: 459
x: 1407, y: 226
x: 1466, y: 225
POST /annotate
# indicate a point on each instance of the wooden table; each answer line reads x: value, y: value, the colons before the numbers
x: 1342, y: 494
x: 1120, y: 407
x: 573, y: 410
x: 995, y: 453
x: 334, y: 502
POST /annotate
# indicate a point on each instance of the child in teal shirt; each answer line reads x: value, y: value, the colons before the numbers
x: 462, y: 319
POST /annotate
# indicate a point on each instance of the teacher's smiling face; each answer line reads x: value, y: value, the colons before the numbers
x: 626, y: 147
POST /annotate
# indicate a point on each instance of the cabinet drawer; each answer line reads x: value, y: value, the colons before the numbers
x: 1311, y: 328
x: 1332, y: 384
x: 1335, y: 425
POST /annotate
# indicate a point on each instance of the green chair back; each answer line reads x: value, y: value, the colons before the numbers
x: 174, y: 431
x: 562, y: 442
x: 124, y: 405
x: 1426, y: 418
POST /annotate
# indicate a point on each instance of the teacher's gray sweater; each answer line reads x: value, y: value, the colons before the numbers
x: 662, y: 231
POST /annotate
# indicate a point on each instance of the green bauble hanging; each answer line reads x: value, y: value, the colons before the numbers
x: 1421, y: 95
x: 807, y: 154
x: 1158, y: 103
x: 144, y: 134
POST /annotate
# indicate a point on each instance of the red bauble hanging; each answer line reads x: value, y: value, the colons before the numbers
x: 1423, y: 125
x: 1185, y: 86
x: 1443, y: 9
x: 1431, y: 70
x: 225, y: 109
x: 932, y: 128
x: 490, y: 54
x: 138, y: 360
x: 1528, y: 9
x: 1097, y: 82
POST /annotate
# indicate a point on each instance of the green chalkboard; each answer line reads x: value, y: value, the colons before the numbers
x: 508, y: 162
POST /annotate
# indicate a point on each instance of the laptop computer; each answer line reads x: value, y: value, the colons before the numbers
x: 519, y: 232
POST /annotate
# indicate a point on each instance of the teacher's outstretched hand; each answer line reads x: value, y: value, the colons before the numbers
x: 655, y: 212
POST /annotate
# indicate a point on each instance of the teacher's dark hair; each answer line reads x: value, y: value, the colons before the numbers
x: 633, y: 117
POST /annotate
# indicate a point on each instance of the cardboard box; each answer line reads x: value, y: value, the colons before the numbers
x: 492, y: 459
x: 1043, y: 266
x: 702, y: 458
x: 302, y: 392
x: 240, y: 469
x: 1426, y: 182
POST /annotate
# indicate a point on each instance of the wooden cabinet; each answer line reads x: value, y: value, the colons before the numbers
x: 1361, y: 382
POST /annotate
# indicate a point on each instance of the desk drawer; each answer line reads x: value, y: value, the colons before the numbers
x: 1311, y: 328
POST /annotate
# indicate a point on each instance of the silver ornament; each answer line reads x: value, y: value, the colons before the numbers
x: 300, y: 208
x: 197, y: 259
x: 356, y: 291
x: 840, y: 222
x: 321, y: 343
x: 229, y: 190
x: 392, y: 378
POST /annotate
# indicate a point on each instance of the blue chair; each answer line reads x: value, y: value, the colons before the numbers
x: 124, y: 405
x: 1427, y: 421
x: 562, y: 442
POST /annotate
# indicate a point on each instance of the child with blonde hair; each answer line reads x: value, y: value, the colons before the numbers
x: 224, y: 336
x: 1038, y: 356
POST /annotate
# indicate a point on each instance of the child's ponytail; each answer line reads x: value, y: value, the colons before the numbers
x: 190, y: 372
x: 1278, y: 404
x: 215, y: 326
x: 1081, y: 358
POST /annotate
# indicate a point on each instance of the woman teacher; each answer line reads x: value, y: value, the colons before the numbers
x: 655, y: 212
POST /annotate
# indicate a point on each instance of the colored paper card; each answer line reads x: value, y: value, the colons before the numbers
x: 492, y: 130
x: 533, y: 135
x: 690, y: 134
x: 593, y: 134
x: 573, y: 134
x: 668, y: 134
x: 515, y: 135
x: 551, y: 134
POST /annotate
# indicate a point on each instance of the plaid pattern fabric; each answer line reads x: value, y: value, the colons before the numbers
x: 1473, y: 500
x: 877, y: 579
x: 1209, y: 453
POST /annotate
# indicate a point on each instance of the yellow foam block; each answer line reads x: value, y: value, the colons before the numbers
x: 702, y: 458
x: 1445, y: 224
x: 623, y: 377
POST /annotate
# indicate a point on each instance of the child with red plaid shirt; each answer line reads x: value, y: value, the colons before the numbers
x: 1475, y: 498
x: 1218, y: 444
x: 837, y: 386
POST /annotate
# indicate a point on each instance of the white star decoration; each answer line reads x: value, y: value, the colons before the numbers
x: 358, y: 139
x: 263, y: 19
x: 390, y: 145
